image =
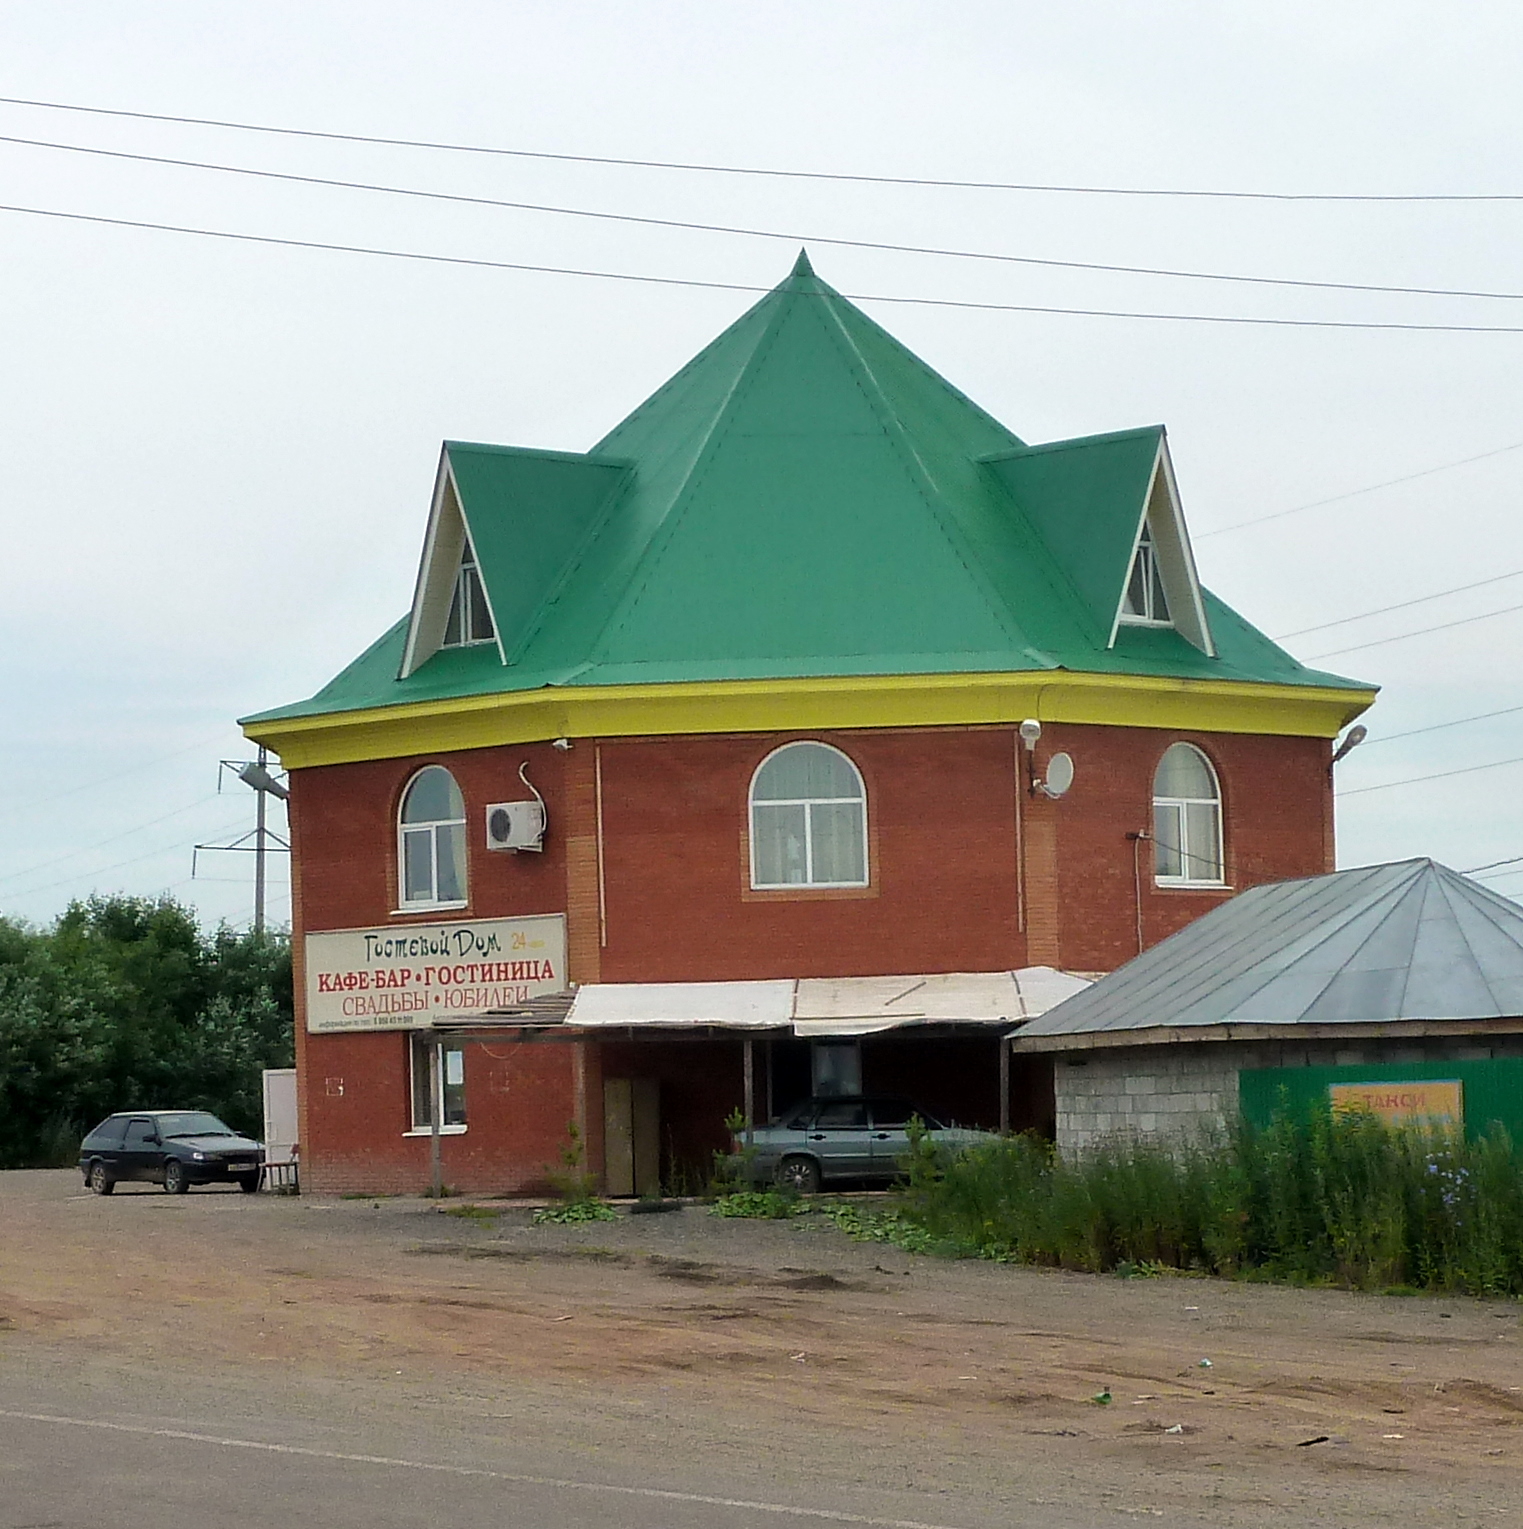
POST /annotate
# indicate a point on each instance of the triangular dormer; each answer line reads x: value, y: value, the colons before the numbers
x: 505, y: 525
x: 451, y: 608
x: 1162, y: 588
x: 1108, y: 510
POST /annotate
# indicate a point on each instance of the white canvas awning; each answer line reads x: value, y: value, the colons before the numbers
x: 728, y: 1005
x: 821, y: 1007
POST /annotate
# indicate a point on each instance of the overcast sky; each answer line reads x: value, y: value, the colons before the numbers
x: 216, y: 457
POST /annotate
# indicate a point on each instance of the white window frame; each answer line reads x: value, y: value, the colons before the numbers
x: 419, y: 1046
x: 757, y: 885
x: 1185, y: 849
x: 406, y: 904
x: 1146, y: 553
x: 465, y: 592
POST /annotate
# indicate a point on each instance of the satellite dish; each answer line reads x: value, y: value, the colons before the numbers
x: 1060, y: 775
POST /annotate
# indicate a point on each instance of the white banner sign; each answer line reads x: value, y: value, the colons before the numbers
x: 416, y: 975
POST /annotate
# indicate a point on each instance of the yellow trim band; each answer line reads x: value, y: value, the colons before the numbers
x: 788, y: 705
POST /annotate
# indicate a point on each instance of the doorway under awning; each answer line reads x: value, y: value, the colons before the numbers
x: 938, y: 1007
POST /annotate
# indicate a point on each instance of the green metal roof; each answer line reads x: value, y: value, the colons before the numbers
x: 804, y: 498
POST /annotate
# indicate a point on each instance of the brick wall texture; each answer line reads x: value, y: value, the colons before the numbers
x: 968, y: 873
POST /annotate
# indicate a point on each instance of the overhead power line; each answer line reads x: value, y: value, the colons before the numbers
x: 126, y: 833
x: 775, y: 172
x: 789, y: 235
x: 1355, y: 493
x: 64, y: 881
x: 1443, y: 626
x: 1501, y: 876
x: 116, y: 775
x: 1437, y: 727
x: 1414, y: 780
x: 1492, y: 865
x: 1401, y: 605
x: 734, y: 286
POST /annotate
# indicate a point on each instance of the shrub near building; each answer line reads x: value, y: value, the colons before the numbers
x: 1316, y: 1197
x: 126, y: 1003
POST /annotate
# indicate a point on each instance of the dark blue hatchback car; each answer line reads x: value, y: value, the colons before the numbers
x: 175, y: 1148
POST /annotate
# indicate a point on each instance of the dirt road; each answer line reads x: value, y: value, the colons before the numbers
x: 778, y: 1357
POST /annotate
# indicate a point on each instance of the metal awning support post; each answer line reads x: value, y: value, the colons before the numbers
x: 749, y: 1069
x: 1004, y: 1085
x: 435, y: 1113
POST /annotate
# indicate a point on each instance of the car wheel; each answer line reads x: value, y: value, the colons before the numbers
x: 175, y: 1181
x: 248, y: 1183
x: 100, y: 1182
x: 800, y: 1174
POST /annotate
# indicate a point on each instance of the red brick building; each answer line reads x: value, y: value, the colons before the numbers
x: 739, y: 697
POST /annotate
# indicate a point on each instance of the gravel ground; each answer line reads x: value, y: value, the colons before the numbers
x: 883, y: 1371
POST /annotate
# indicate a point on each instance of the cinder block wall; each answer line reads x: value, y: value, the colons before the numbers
x: 1179, y: 1091
x: 1172, y: 1091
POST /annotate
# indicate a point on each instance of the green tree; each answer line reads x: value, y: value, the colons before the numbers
x: 125, y: 1003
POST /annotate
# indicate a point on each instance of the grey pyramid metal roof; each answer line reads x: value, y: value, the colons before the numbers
x: 1385, y: 943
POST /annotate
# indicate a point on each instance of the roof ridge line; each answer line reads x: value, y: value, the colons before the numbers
x: 645, y: 565
x: 617, y: 493
x: 1048, y: 568
x: 1480, y: 969
x: 1211, y: 956
x: 923, y: 481
x: 1074, y: 443
x: 546, y: 453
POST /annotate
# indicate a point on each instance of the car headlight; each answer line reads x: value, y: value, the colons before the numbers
x: 200, y: 1157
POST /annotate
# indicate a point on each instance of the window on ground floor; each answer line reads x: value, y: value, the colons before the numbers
x: 438, y: 1091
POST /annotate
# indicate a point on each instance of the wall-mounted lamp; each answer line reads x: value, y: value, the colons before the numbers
x: 257, y: 776
x: 1351, y: 740
x: 1060, y: 768
x: 563, y: 744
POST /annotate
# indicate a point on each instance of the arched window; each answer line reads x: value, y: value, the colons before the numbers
x: 431, y: 841
x: 1187, y: 818
x: 808, y: 819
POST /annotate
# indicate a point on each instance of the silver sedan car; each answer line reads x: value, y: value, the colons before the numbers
x: 844, y: 1138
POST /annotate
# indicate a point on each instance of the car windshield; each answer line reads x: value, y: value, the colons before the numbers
x: 192, y: 1123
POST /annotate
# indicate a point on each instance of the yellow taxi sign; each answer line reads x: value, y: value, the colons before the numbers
x: 1421, y: 1103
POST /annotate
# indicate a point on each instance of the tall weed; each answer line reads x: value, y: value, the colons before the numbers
x: 1315, y: 1197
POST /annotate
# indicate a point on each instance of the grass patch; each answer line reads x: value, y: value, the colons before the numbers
x: 893, y: 1226
x: 1316, y: 1198
x: 478, y: 1213
x: 756, y: 1205
x: 574, y: 1213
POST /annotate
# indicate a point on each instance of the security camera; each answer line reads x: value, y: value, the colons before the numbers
x: 563, y: 744
x: 1031, y: 730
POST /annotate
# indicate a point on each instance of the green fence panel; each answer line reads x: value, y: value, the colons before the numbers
x: 1493, y: 1090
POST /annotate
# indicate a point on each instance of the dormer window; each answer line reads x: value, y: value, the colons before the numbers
x: 469, y: 619
x: 1146, y: 604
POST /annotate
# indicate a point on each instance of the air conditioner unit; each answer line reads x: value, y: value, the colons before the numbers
x: 516, y: 825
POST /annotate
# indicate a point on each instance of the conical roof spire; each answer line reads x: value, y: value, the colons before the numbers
x: 801, y: 266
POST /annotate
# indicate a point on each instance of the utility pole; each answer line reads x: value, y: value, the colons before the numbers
x: 257, y: 775
x: 259, y: 833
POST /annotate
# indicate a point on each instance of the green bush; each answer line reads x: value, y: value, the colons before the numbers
x: 574, y: 1213
x: 126, y: 1004
x: 576, y: 1189
x: 1317, y: 1196
x: 756, y: 1205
